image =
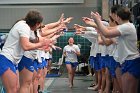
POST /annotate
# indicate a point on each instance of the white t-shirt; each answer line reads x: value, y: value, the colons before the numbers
x: 32, y: 53
x: 91, y: 35
x: 127, y: 43
x: 70, y: 55
x: 40, y: 53
x: 47, y: 55
x: 102, y: 50
x: 92, y: 49
x: 50, y: 56
x: 95, y: 50
x: 110, y: 50
x: 12, y: 48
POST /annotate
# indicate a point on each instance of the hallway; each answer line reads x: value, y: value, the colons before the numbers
x: 60, y: 85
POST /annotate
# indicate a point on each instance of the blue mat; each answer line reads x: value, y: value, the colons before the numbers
x: 53, y: 75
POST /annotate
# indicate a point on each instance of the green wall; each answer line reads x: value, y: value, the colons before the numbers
x: 63, y: 41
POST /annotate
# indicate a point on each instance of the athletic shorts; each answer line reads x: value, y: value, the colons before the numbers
x: 97, y: 62
x: 5, y: 64
x: 27, y: 63
x: 73, y: 64
x: 50, y: 58
x: 41, y: 65
x: 44, y: 62
x: 102, y: 61
x: 36, y: 65
x: 112, y: 66
x: 92, y: 60
x: 131, y: 66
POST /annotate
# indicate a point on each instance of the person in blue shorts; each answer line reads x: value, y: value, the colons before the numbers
x: 126, y: 53
x: 16, y: 43
x: 71, y: 51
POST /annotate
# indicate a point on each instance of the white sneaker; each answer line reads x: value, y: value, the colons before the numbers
x: 95, y: 88
x: 89, y: 74
x: 91, y: 88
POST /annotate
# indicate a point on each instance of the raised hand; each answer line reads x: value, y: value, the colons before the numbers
x: 96, y: 16
x: 56, y: 47
x: 89, y: 21
x: 68, y: 20
x: 79, y: 27
x: 61, y: 19
x: 45, y: 43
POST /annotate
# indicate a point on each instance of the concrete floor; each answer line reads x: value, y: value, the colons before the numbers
x: 60, y: 85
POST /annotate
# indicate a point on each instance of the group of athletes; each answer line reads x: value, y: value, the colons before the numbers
x: 114, y: 55
x: 24, y: 65
x: 24, y: 58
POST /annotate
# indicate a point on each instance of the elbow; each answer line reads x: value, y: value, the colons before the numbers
x: 25, y: 49
x: 107, y: 44
x: 100, y: 42
x: 106, y: 35
x: 78, y: 54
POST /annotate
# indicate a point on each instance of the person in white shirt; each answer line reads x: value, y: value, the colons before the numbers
x: 91, y: 34
x: 28, y: 68
x: 16, y: 43
x: 48, y: 58
x: 127, y: 53
x: 97, y: 53
x: 70, y: 52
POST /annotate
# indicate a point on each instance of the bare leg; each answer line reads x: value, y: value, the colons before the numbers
x: 103, y: 80
x: 41, y: 79
x: 108, y: 81
x: 96, y: 77
x: 18, y: 85
x: 99, y: 79
x: 9, y: 80
x: 129, y: 83
x: 89, y: 69
x: 119, y: 80
x: 44, y: 77
x: 98, y: 86
x: 35, y: 82
x: 70, y: 76
x: 116, y: 85
x: 25, y: 80
x: 73, y: 74
x: 31, y: 88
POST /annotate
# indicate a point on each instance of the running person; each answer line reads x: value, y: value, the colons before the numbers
x: 71, y: 51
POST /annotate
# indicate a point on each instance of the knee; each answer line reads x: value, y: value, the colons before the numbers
x: 26, y: 83
x: 29, y: 82
x: 70, y: 72
x: 12, y: 90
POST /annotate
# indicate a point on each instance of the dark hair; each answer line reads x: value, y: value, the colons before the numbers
x: 124, y: 13
x: 33, y: 17
x: 115, y: 8
x: 37, y: 38
x: 113, y: 20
